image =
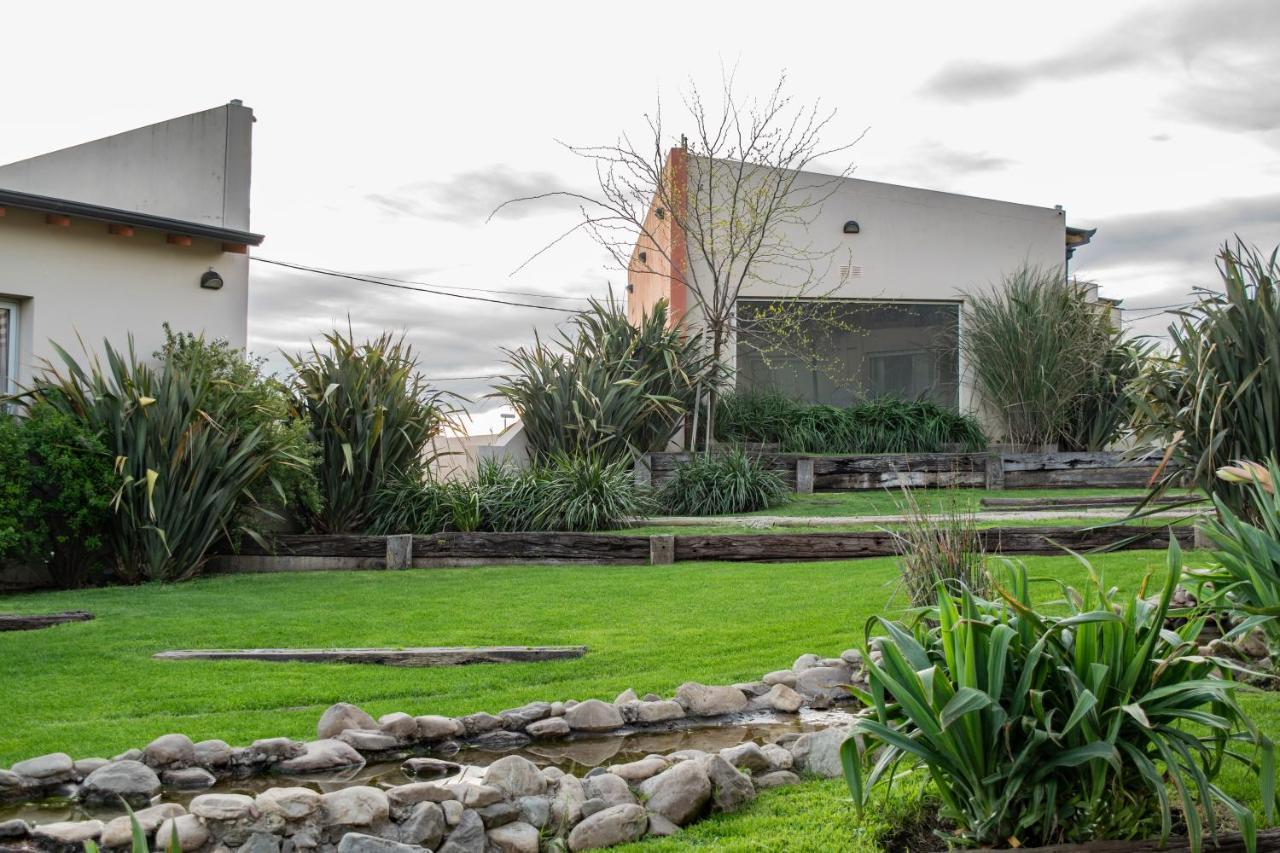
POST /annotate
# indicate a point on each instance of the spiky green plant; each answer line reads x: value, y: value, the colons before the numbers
x: 605, y: 387
x: 1216, y: 397
x: 941, y: 547
x: 186, y: 468
x: 1245, y: 575
x: 721, y: 484
x: 372, y: 414
x: 874, y: 426
x: 1037, y: 729
x: 1038, y: 348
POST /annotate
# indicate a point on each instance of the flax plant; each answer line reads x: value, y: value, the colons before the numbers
x: 1040, y: 729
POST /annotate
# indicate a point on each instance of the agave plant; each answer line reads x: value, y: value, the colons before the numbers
x: 373, y: 416
x: 1038, y: 729
x: 606, y: 387
x: 185, y: 468
x: 1216, y: 396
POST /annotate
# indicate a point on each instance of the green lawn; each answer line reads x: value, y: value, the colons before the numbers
x: 890, y: 501
x: 734, y: 529
x: 92, y: 688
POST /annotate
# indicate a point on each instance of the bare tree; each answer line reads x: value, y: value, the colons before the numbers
x: 736, y: 193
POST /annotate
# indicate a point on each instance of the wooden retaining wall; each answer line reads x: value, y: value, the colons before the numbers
x: 988, y: 469
x: 319, y: 553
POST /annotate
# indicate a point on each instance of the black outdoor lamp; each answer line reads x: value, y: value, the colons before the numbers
x: 211, y: 280
x: 851, y: 227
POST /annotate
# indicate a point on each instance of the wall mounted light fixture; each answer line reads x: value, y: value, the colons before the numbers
x: 211, y: 280
x: 852, y: 227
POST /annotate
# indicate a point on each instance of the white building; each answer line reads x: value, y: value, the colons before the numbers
x: 124, y: 234
x: 888, y: 265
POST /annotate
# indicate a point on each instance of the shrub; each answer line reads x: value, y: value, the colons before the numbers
x: 1039, y: 729
x: 260, y: 402
x: 55, y: 496
x: 562, y: 493
x: 1216, y: 396
x: 875, y: 426
x: 606, y: 387
x: 1039, y: 349
x: 187, y: 468
x: 1246, y: 575
x: 721, y: 484
x: 939, y: 550
x: 373, y: 417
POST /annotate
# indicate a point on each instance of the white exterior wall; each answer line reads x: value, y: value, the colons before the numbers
x: 79, y: 282
x: 914, y: 244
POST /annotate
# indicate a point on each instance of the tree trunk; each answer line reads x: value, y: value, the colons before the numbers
x: 717, y: 344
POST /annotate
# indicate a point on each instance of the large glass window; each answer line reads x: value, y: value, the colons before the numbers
x: 842, y: 352
x: 8, y: 347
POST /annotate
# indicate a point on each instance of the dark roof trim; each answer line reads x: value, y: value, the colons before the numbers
x: 1077, y: 237
x: 66, y: 207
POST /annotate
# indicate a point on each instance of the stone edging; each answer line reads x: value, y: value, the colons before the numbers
x: 518, y: 807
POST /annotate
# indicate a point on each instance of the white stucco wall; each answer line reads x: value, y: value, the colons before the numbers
x: 80, y: 280
x: 195, y: 168
x: 914, y: 245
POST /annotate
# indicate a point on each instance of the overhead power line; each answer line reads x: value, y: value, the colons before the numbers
x: 418, y: 287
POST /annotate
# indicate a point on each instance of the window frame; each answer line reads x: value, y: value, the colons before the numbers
x: 10, y: 382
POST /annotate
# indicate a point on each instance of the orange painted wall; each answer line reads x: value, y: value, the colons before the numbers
x: 661, y: 275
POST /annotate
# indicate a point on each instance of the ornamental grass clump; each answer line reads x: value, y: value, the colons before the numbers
x: 939, y: 548
x: 721, y: 484
x: 1038, y: 729
x: 373, y: 417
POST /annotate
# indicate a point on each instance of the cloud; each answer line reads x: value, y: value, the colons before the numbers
x: 1225, y: 52
x: 469, y: 197
x: 957, y: 162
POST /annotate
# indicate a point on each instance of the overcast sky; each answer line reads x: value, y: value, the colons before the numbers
x: 386, y: 133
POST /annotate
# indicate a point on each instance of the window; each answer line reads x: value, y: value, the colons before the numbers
x: 8, y: 347
x: 842, y: 352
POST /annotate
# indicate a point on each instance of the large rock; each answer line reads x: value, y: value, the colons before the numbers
x: 360, y: 805
x: 15, y: 829
x: 47, y: 769
x: 213, y: 753
x: 67, y: 832
x: 615, y: 825
x: 551, y: 727
x: 819, y: 752
x: 429, y: 768
x: 338, y: 718
x: 535, y: 810
x: 261, y: 842
x: 780, y: 758
x: 566, y: 806
x: 660, y: 711
x: 518, y: 837
x: 730, y: 789
x: 119, y: 831
x: 435, y: 727
x: 420, y: 792
x: 780, y: 676
x: 223, y: 807
x: 322, y: 755
x: 467, y: 837
x: 132, y: 781
x: 637, y: 771
x: 191, y: 833
x: 678, y: 793
x: 399, y: 725
x: 593, y: 716
x: 776, y: 779
x: 424, y: 825
x: 805, y: 662
x: 518, y: 718
x: 364, y: 740
x: 782, y: 698
x: 479, y: 723
x: 291, y: 804
x: 516, y: 776
x: 501, y: 740
x: 746, y: 756
x: 475, y: 796
x: 608, y: 787
x: 704, y: 701
x: 825, y: 682
x: 357, y: 842
x: 189, y: 779
x: 170, y: 751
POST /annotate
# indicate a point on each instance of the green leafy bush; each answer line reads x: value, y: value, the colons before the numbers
x: 939, y: 548
x: 373, y: 416
x: 1216, y: 397
x: 721, y: 484
x: 606, y: 387
x: 582, y: 493
x: 55, y: 495
x: 1049, y: 729
x: 187, y: 466
x: 1040, y: 349
x: 875, y: 426
x: 1245, y: 576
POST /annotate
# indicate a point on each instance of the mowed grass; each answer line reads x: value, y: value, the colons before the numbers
x: 891, y: 501
x: 92, y: 689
